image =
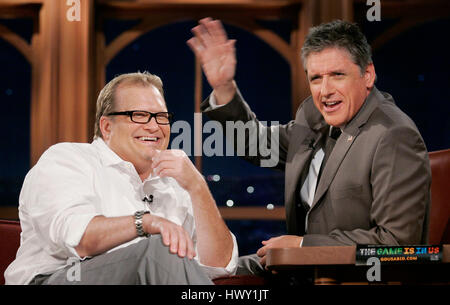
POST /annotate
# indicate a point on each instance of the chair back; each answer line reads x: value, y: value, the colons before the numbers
x: 439, y: 225
x: 10, y: 242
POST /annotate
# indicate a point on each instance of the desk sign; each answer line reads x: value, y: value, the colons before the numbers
x: 399, y: 254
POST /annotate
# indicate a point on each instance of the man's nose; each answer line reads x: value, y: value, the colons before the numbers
x: 152, y: 124
x: 327, y: 87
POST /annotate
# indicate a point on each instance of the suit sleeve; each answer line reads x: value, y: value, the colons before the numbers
x: 262, y: 145
x: 400, y: 180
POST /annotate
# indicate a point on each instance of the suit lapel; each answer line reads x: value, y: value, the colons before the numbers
x: 306, y: 135
x: 303, y: 150
x: 345, y: 141
x: 343, y: 144
x: 294, y: 168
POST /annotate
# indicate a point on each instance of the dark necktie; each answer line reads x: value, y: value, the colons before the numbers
x: 329, y: 145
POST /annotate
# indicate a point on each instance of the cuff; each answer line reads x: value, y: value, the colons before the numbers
x: 212, y: 102
x: 75, y: 230
x: 230, y: 269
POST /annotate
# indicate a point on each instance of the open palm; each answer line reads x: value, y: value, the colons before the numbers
x: 215, y: 52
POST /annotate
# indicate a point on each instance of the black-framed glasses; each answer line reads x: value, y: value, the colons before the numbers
x: 143, y: 117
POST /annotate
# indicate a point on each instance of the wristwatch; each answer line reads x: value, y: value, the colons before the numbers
x: 138, y: 223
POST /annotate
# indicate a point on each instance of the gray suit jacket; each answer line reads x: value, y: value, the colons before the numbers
x: 375, y: 186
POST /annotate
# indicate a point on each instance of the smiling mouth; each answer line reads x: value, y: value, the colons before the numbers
x: 331, y: 106
x: 148, y: 139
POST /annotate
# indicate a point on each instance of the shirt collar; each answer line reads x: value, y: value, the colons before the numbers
x: 109, y: 158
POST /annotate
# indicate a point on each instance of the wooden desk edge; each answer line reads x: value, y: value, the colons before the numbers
x: 335, y: 255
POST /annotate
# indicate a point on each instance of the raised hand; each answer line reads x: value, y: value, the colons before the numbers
x: 217, y: 56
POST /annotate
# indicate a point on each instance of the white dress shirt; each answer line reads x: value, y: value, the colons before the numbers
x: 74, y: 182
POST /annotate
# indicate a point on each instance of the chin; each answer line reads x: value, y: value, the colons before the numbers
x: 333, y: 121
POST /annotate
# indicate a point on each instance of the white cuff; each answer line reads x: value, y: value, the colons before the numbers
x: 230, y: 269
x: 212, y: 102
x: 76, y: 228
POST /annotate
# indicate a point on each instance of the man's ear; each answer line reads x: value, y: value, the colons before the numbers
x: 105, y: 127
x: 370, y: 76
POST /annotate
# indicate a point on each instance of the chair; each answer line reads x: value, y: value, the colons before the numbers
x: 439, y: 227
x: 9, y: 243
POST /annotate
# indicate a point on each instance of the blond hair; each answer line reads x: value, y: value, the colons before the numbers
x: 105, y: 100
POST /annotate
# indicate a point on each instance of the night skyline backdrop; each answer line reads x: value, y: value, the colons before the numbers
x: 414, y: 68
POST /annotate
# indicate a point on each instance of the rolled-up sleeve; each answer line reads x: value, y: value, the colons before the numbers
x: 59, y: 195
x: 230, y: 269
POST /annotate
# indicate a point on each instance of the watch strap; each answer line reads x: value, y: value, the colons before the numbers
x: 138, y: 222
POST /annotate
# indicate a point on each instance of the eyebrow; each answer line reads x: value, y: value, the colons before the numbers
x: 334, y: 72
x: 314, y: 76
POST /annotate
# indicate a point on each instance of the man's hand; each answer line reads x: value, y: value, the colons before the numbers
x: 176, y: 164
x: 173, y: 236
x: 214, y: 242
x: 217, y: 57
x: 284, y: 241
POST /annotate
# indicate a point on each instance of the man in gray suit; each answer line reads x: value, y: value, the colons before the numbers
x: 356, y: 166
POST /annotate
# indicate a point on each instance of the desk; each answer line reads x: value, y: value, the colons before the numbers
x: 336, y: 265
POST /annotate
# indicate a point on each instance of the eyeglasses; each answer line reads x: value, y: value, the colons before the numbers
x: 143, y: 117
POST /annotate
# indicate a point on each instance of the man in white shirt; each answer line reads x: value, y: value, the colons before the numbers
x: 123, y: 209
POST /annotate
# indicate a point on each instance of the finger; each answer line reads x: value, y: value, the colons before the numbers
x: 216, y: 31
x: 202, y: 34
x: 266, y: 242
x: 173, y: 241
x: 165, y: 234
x: 162, y: 165
x: 196, y: 46
x: 231, y: 50
x: 261, y: 251
x: 205, y: 20
x: 182, y: 244
x: 190, y: 246
x: 168, y: 172
x: 169, y: 154
x: 262, y: 261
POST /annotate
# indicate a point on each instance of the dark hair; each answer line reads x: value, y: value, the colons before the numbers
x: 338, y: 34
